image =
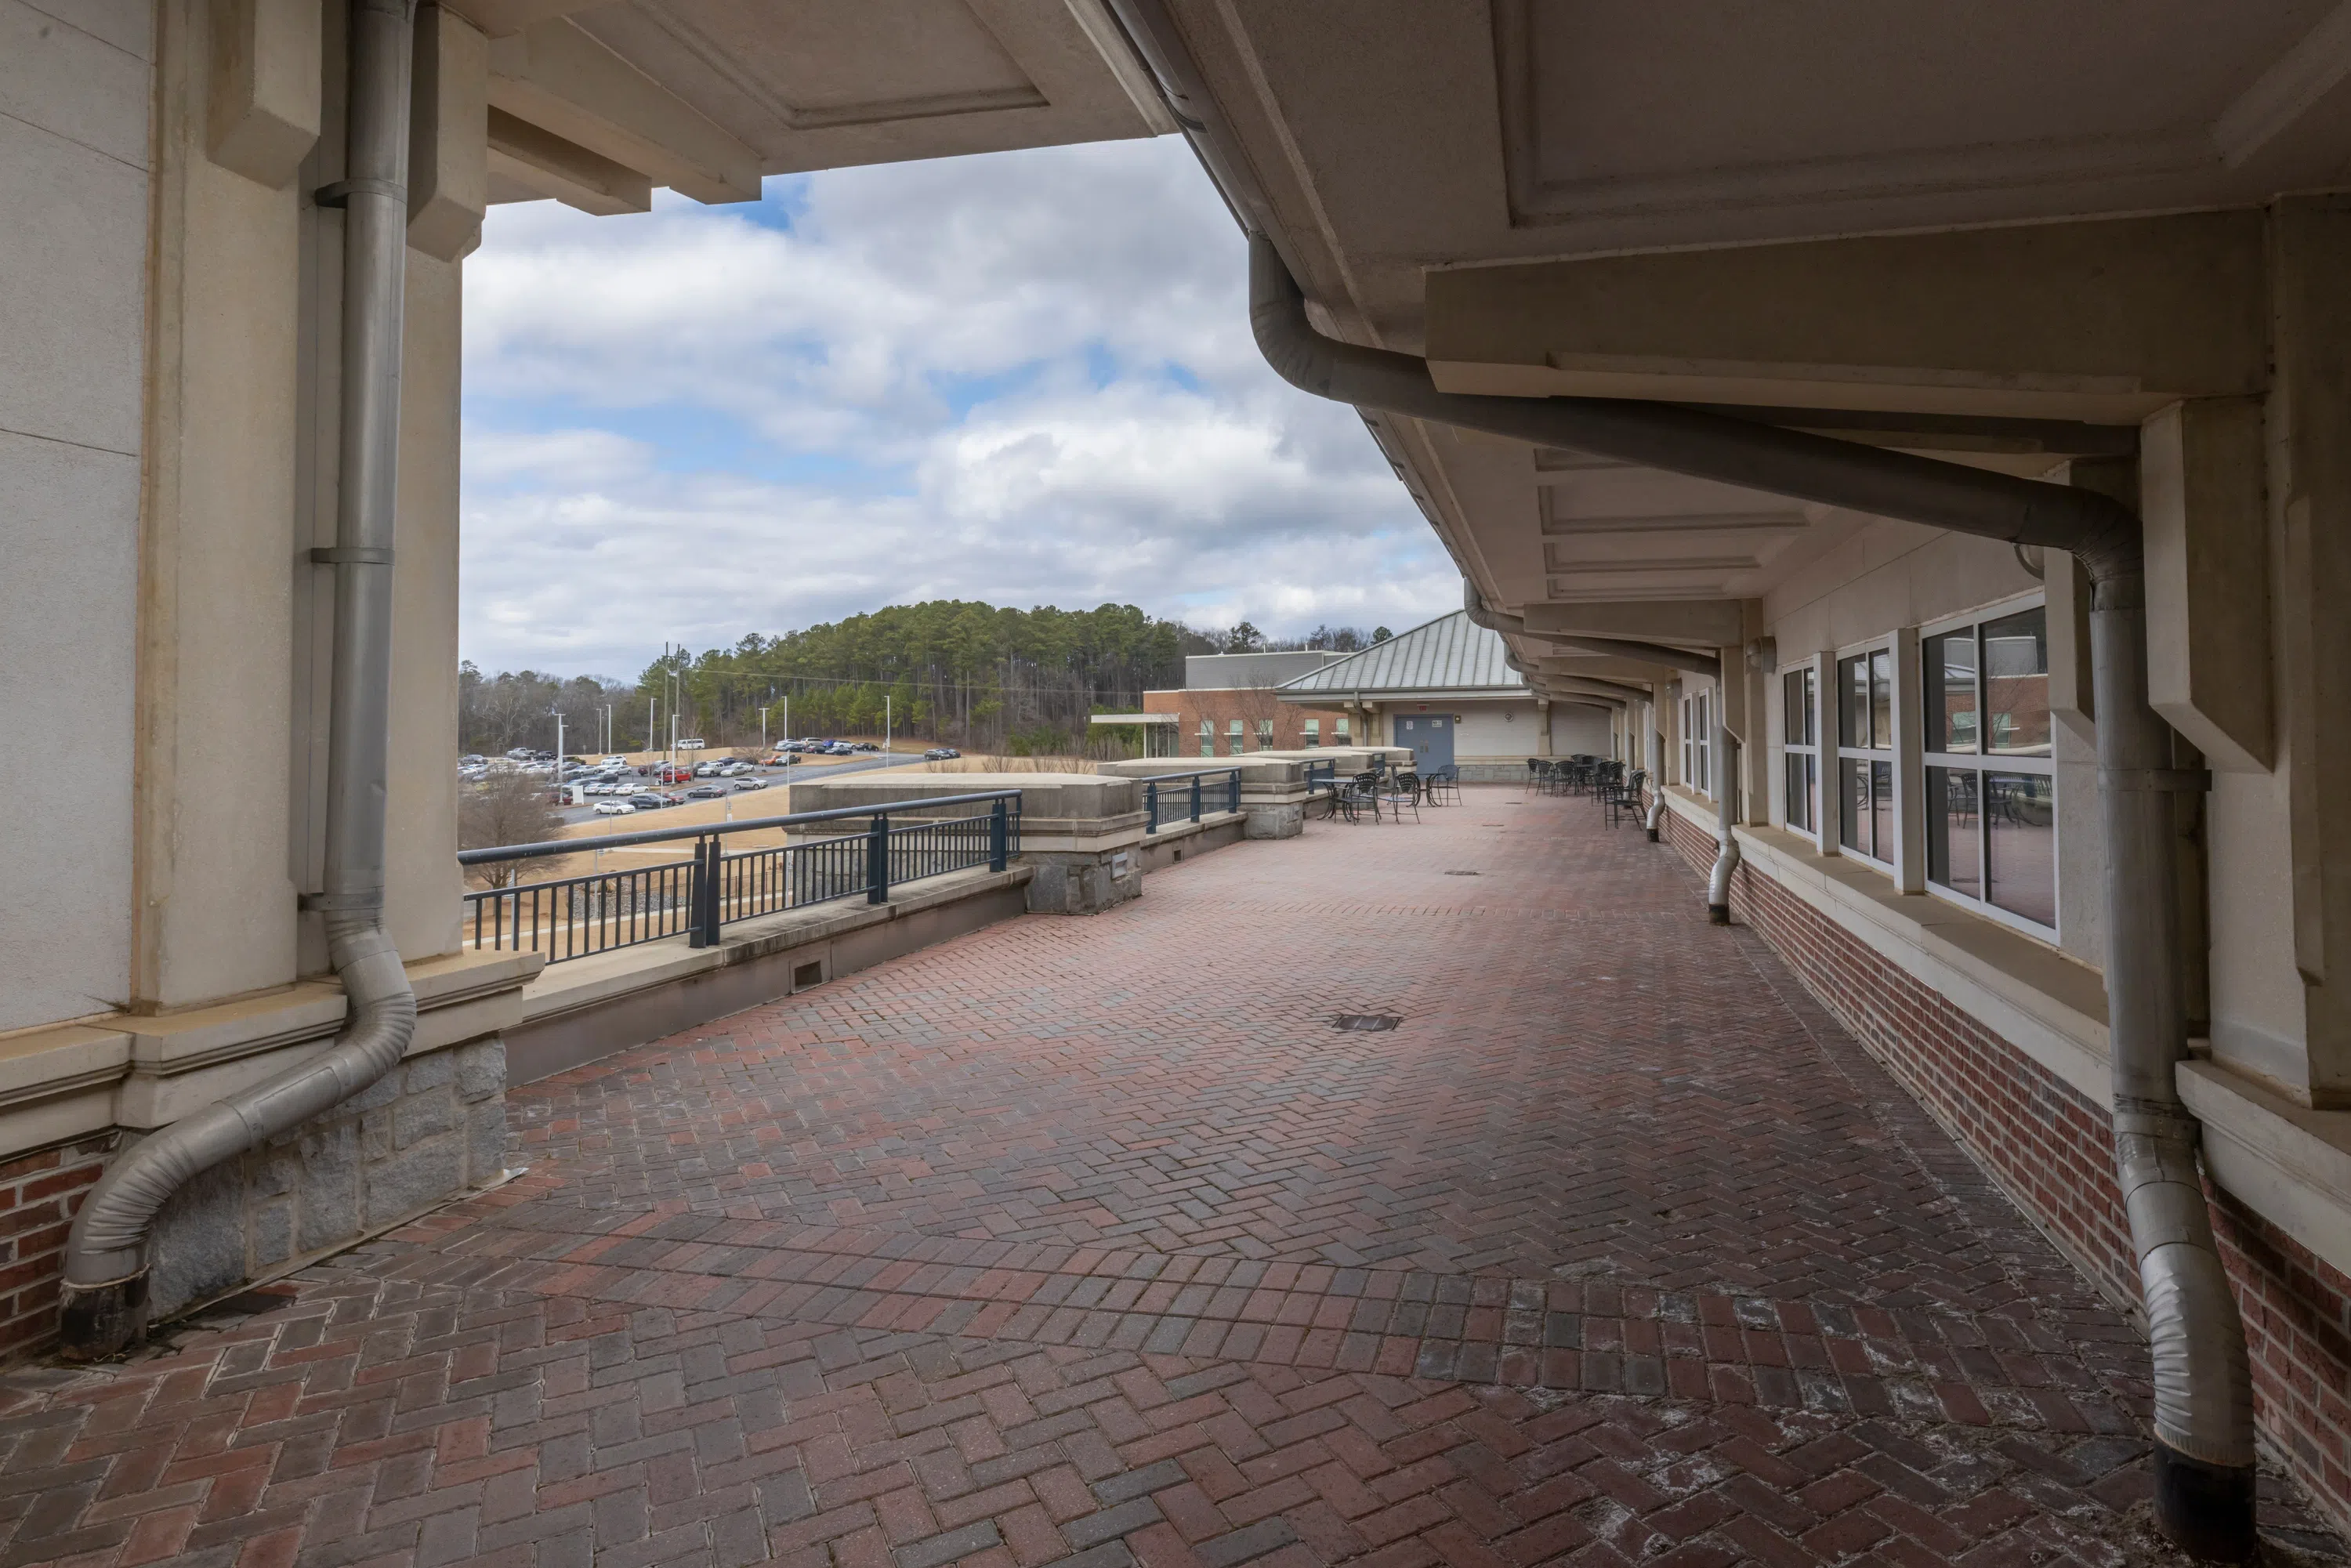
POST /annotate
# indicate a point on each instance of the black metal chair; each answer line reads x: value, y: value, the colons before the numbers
x: 1402, y: 794
x: 1443, y: 787
x: 1625, y: 794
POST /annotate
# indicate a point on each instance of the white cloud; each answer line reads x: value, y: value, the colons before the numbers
x: 1025, y: 378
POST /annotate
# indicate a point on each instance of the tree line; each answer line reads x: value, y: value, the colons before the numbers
x: 982, y: 677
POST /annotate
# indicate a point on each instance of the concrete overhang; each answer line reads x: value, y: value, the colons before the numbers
x: 1688, y: 622
x: 2103, y: 321
x: 1600, y: 668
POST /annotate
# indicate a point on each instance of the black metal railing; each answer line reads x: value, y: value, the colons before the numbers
x: 1183, y: 797
x: 573, y: 916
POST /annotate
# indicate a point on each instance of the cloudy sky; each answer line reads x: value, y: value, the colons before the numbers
x: 1025, y: 378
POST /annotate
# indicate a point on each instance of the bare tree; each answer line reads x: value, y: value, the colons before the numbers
x: 507, y: 808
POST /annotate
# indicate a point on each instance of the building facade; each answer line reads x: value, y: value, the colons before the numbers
x: 1227, y: 706
x: 1446, y: 690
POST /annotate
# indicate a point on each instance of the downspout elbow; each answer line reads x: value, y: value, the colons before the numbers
x: 105, y: 1302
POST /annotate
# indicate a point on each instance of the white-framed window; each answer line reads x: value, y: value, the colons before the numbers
x: 1865, y: 761
x: 1265, y: 734
x: 1312, y: 730
x: 1991, y: 779
x: 1800, y: 731
x: 1233, y: 733
x: 1339, y: 730
x: 1208, y: 737
x: 1698, y: 742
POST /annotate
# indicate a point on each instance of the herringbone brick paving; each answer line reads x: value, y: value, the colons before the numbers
x: 1090, y: 1242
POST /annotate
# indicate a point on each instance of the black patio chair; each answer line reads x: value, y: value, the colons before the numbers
x: 1442, y: 786
x: 1402, y: 794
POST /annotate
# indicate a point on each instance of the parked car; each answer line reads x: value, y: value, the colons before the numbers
x: 750, y: 783
x: 647, y: 803
x: 706, y: 793
x: 863, y: 746
x: 615, y: 808
x: 673, y: 773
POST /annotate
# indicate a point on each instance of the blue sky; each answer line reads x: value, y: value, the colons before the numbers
x: 1025, y: 378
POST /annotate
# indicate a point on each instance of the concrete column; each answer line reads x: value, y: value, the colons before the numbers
x: 2281, y: 966
x: 215, y: 906
x: 421, y: 884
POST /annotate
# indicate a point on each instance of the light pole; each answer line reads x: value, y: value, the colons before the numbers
x: 559, y: 755
x: 763, y: 729
x: 652, y: 706
x: 886, y: 724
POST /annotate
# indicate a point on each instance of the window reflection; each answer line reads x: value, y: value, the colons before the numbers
x: 1951, y: 831
x: 1853, y: 701
x: 1881, y: 699
x: 2020, y: 814
x: 2016, y: 684
x: 1881, y: 810
x: 1950, y: 669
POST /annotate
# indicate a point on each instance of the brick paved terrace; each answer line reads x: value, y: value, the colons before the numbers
x: 1093, y: 1240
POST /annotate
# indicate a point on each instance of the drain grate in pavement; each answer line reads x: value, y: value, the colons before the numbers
x: 1461, y: 874
x: 1365, y: 1023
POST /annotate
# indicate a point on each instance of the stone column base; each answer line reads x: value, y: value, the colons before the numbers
x: 1284, y: 820
x: 1083, y: 881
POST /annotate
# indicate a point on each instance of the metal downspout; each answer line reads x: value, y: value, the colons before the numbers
x: 108, y: 1254
x: 1657, y: 819
x: 1726, y: 818
x: 2203, y: 1396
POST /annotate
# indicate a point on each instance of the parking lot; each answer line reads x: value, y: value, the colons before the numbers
x: 641, y: 778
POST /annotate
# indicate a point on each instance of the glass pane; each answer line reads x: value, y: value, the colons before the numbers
x: 1811, y: 708
x: 1799, y: 799
x: 1812, y: 791
x: 1852, y: 802
x: 2016, y: 684
x: 1949, y: 662
x: 1853, y: 701
x: 1881, y: 699
x: 2020, y: 812
x: 1881, y: 810
x: 1791, y: 707
x: 1952, y: 831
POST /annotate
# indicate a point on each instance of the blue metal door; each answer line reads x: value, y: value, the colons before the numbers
x: 1430, y: 735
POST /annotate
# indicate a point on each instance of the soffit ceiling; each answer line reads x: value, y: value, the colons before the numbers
x: 1396, y: 138
x: 741, y: 89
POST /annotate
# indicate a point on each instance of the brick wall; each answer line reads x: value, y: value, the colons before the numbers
x: 2052, y: 1151
x: 39, y: 1195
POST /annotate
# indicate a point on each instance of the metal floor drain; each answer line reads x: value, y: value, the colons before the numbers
x: 1365, y: 1023
x: 1463, y: 873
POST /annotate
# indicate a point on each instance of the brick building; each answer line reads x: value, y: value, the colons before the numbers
x: 1227, y: 706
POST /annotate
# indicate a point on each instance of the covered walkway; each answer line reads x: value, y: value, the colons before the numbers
x: 1095, y: 1240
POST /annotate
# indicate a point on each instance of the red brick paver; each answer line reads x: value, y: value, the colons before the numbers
x: 1091, y: 1241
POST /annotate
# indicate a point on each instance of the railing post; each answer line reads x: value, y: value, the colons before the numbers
x: 877, y: 860
x: 713, y: 893
x: 1151, y: 805
x: 997, y: 835
x: 697, y: 900
x: 1196, y: 797
x: 1233, y: 786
